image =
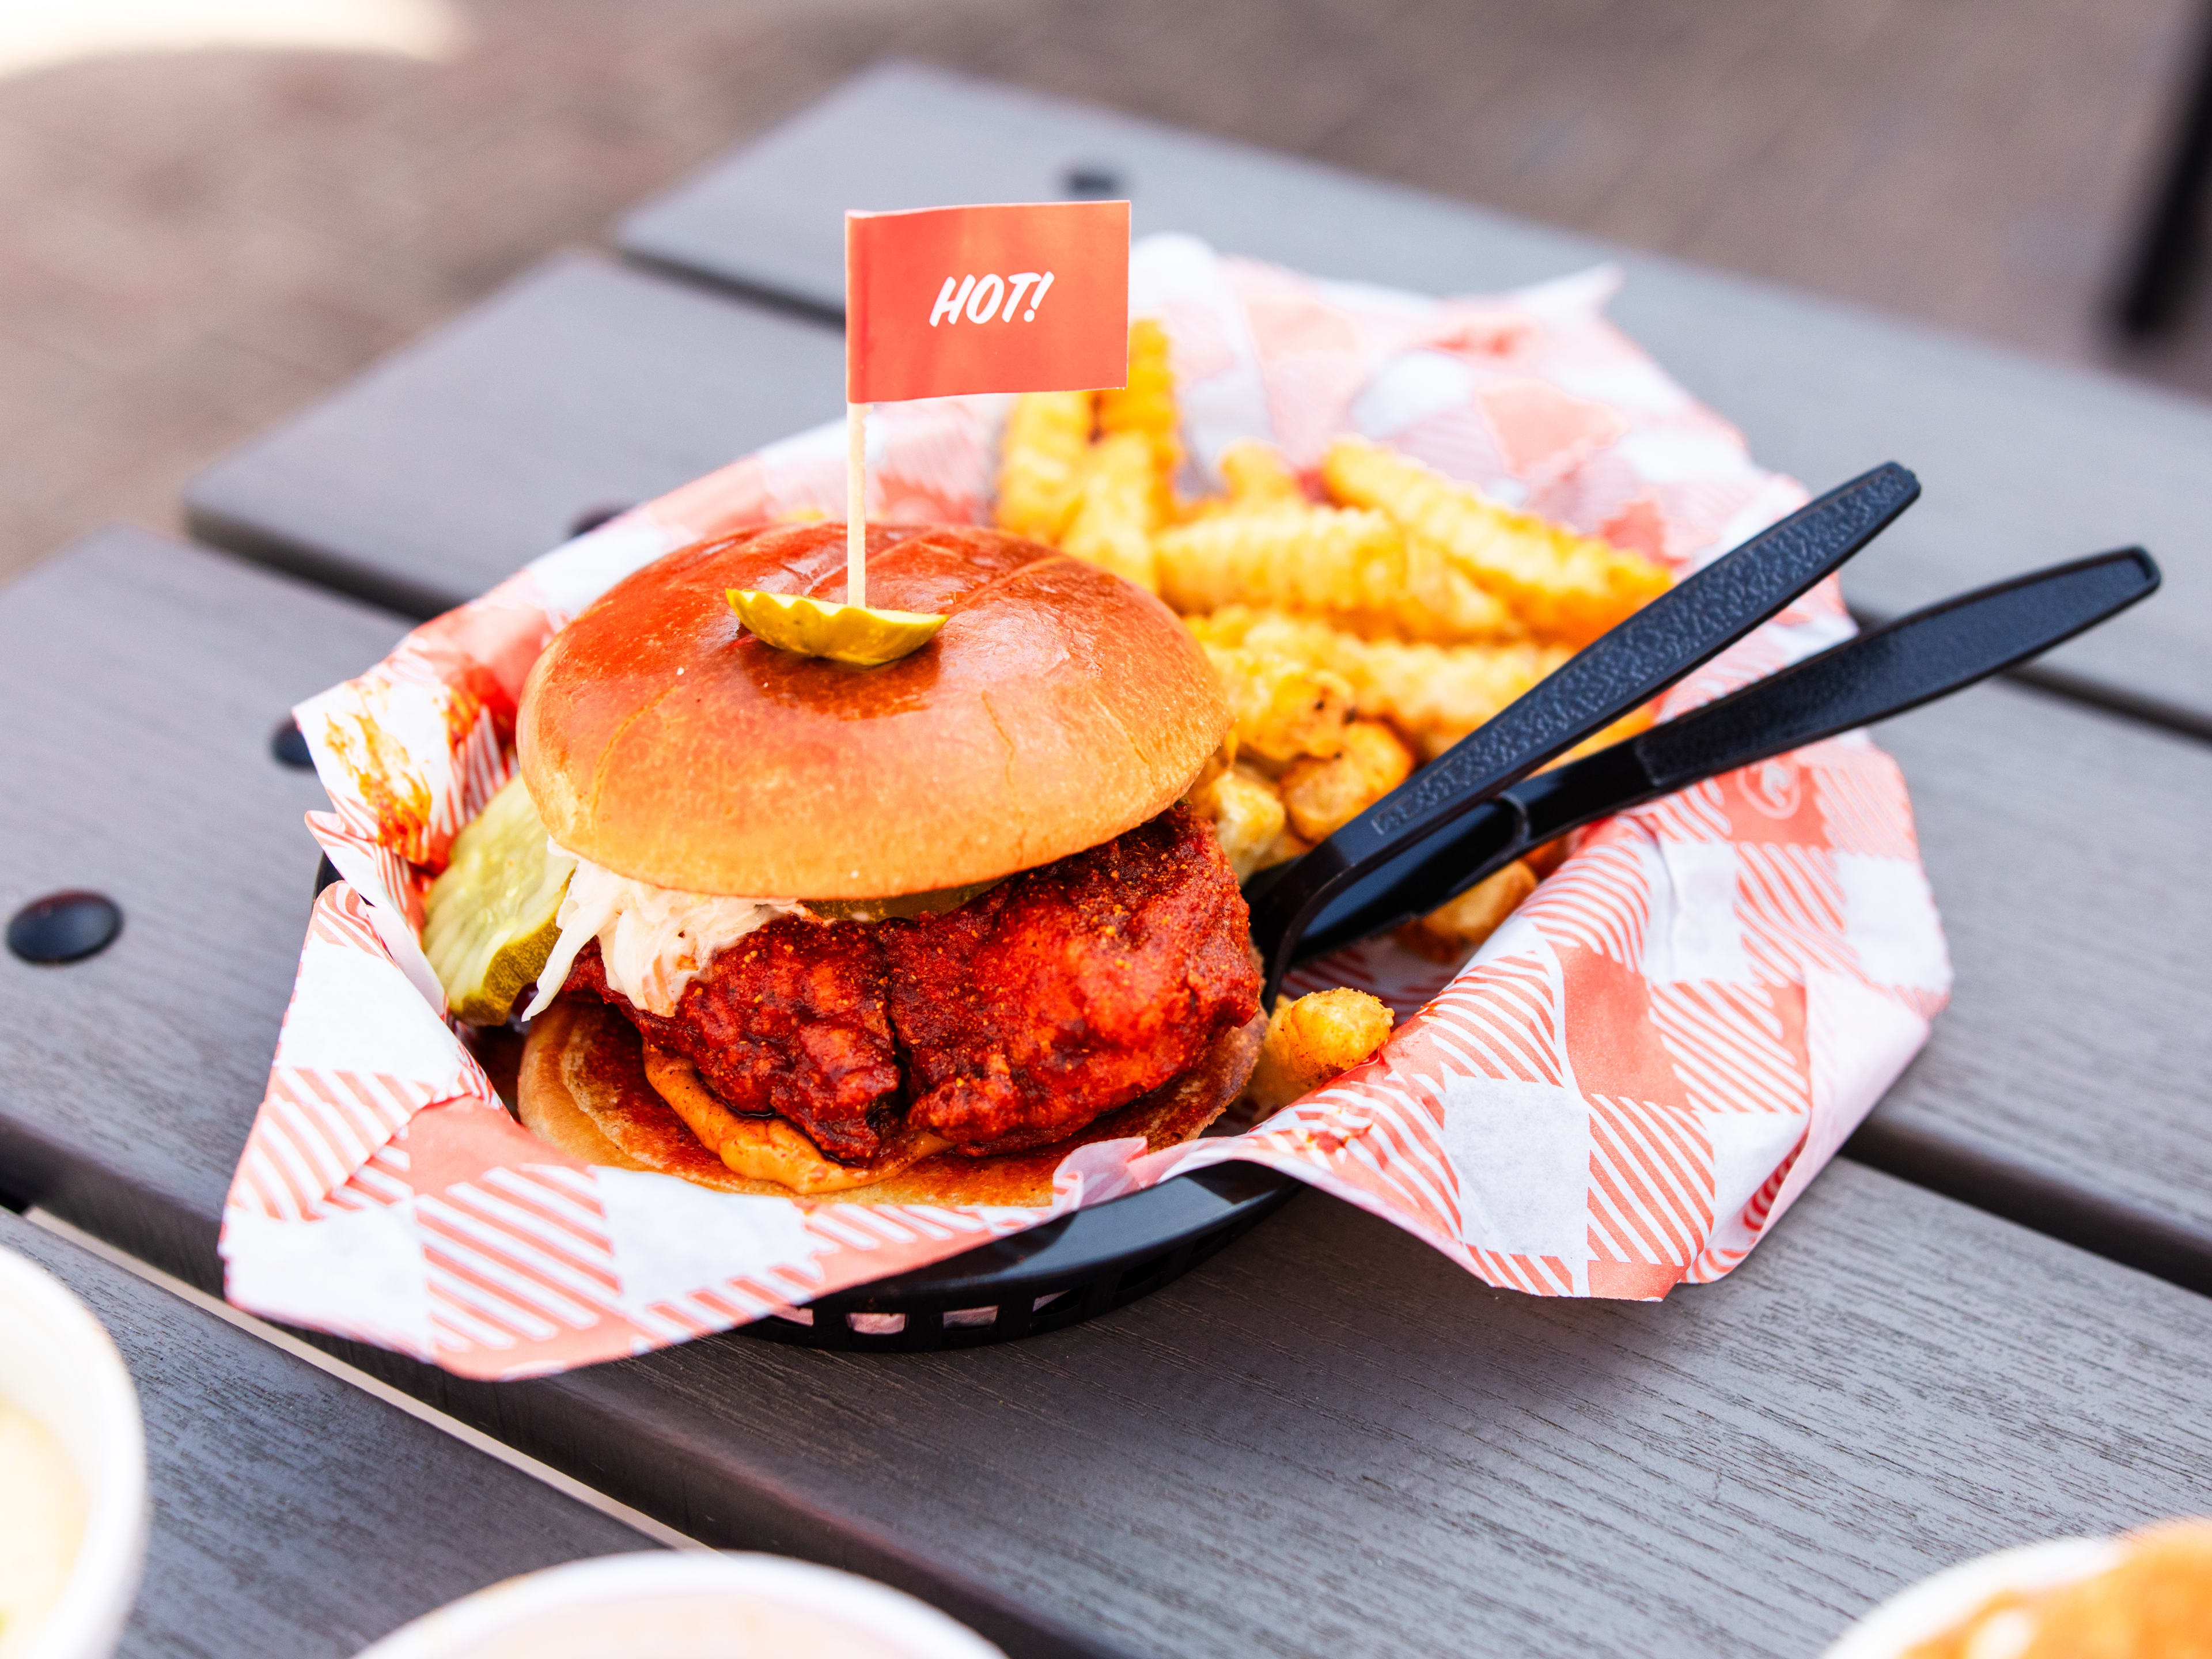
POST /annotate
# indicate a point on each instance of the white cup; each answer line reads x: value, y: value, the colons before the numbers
x: 1922, y: 1612
x: 60, y: 1367
x: 685, y: 1604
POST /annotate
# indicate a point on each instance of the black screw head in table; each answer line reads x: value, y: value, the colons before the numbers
x: 289, y: 746
x: 1092, y: 181
x: 65, y: 927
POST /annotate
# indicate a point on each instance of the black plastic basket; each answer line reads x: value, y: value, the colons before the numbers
x: 1049, y: 1277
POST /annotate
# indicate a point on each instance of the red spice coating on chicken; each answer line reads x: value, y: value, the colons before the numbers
x: 1013, y: 1021
x: 1072, y: 989
x: 791, y: 1019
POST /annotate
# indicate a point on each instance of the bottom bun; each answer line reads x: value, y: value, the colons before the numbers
x: 583, y: 1088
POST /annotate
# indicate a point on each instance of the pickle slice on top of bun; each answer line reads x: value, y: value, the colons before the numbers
x: 909, y: 932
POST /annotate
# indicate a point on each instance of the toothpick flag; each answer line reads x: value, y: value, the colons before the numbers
x: 1019, y: 296
x: 1029, y: 297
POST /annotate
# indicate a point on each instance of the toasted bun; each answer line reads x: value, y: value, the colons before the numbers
x: 583, y: 1088
x: 1058, y: 706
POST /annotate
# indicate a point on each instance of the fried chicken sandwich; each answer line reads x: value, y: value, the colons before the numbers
x: 900, y: 933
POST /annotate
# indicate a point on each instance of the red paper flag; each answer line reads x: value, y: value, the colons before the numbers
x: 1023, y: 296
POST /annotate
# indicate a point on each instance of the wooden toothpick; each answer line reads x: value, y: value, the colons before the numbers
x: 856, y: 504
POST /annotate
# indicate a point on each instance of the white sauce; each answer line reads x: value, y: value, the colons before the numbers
x: 41, y: 1523
x: 655, y: 940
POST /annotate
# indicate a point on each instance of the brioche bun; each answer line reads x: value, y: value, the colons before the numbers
x: 583, y: 1087
x: 1058, y: 707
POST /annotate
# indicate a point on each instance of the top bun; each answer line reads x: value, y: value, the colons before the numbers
x: 1058, y: 706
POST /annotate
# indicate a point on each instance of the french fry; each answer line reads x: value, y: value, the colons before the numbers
x: 1434, y: 694
x: 1318, y: 1037
x: 1628, y: 725
x: 1286, y: 709
x: 1313, y: 559
x: 1547, y: 858
x: 1041, y: 463
x: 1567, y: 586
x: 1443, y: 606
x: 1246, y: 811
x: 1258, y: 476
x: 1320, y: 796
x: 1146, y: 406
x: 1357, y: 569
x: 1454, y: 930
x: 1288, y: 845
x: 1354, y: 641
x: 1223, y: 757
x: 1114, y: 510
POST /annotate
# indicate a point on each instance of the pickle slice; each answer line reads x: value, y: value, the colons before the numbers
x: 490, y: 920
x: 935, y: 902
x: 856, y: 633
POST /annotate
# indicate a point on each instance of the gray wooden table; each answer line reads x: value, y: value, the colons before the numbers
x: 1325, y: 1437
x: 142, y: 682
x: 293, y: 1514
x: 2060, y: 834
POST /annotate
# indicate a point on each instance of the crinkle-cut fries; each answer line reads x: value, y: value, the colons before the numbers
x: 1356, y: 568
x: 1568, y: 587
x: 1041, y: 463
x: 1363, y: 615
x: 1146, y: 408
x: 1115, y: 509
x: 1434, y: 694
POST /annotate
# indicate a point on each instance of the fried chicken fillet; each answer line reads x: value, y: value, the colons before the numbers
x: 791, y: 1020
x: 1013, y: 1021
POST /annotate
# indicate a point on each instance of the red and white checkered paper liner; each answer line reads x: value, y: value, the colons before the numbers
x: 1621, y: 1091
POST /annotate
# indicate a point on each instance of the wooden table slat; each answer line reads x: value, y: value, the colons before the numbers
x: 1328, y: 1439
x: 294, y: 1515
x: 142, y: 681
x: 581, y: 388
x: 2024, y: 462
x: 2065, y: 1084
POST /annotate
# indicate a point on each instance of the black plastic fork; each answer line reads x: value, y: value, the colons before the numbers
x: 1913, y: 661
